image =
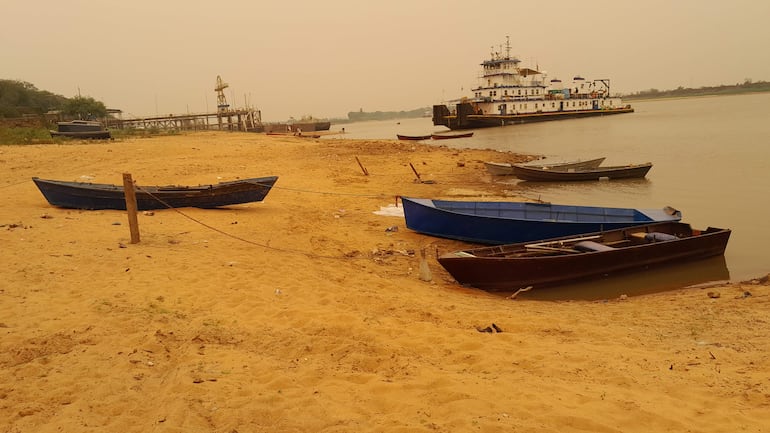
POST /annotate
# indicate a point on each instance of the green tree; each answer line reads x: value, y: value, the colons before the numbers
x: 84, y: 107
x: 18, y: 98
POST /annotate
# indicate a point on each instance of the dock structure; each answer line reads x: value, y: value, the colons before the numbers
x: 223, y: 120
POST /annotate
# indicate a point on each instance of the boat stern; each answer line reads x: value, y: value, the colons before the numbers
x: 666, y: 213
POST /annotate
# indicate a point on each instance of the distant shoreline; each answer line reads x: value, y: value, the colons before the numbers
x: 657, y: 98
x: 759, y: 87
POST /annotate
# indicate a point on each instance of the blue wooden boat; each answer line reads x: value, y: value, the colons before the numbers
x: 84, y: 195
x: 495, y: 223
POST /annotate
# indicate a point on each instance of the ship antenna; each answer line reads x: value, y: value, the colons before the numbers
x: 507, y: 47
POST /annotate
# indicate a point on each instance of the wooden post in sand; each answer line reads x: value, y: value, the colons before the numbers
x: 131, y: 208
x: 424, y: 269
x: 366, y: 172
x: 419, y: 179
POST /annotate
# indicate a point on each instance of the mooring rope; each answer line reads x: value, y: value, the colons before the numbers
x: 248, y: 241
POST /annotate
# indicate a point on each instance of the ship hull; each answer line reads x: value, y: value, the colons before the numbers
x: 464, y: 117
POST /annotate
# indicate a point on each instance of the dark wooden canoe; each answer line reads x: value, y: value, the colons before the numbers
x: 486, y: 222
x: 449, y: 136
x: 83, y: 195
x: 413, y: 137
x: 561, y: 260
x: 544, y: 174
x: 506, y: 169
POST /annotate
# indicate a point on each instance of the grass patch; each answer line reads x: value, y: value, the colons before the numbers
x: 25, y: 135
x: 28, y: 135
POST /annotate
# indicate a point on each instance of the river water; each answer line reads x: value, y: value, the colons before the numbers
x: 710, y: 160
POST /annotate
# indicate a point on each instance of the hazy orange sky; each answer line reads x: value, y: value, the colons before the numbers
x: 326, y: 58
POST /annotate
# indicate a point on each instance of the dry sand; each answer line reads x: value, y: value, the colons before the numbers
x: 303, y: 313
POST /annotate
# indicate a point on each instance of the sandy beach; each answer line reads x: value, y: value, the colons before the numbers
x: 306, y: 312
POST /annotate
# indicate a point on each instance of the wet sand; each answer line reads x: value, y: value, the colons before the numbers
x: 307, y: 313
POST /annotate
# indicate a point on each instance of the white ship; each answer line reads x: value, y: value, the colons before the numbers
x: 509, y: 93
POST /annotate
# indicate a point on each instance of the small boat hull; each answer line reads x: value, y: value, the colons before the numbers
x: 540, y: 174
x: 451, y: 136
x: 464, y: 117
x: 497, y: 223
x: 413, y: 137
x: 82, y: 195
x: 562, y: 260
x: 84, y: 135
x: 83, y: 129
x: 506, y: 169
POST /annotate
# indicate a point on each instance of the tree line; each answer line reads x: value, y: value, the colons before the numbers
x: 22, y: 99
x: 745, y: 87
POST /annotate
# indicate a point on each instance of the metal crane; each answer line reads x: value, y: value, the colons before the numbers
x: 222, y: 104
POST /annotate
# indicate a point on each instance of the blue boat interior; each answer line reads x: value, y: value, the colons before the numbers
x: 544, y: 211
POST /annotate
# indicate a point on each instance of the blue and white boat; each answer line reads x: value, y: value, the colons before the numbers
x: 494, y: 223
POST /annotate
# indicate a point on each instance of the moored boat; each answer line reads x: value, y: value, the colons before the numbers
x: 506, y: 169
x: 311, y: 126
x: 85, y: 135
x: 85, y: 195
x: 490, y: 222
x: 293, y: 127
x: 509, y: 93
x: 85, y: 129
x: 79, y: 126
x: 413, y: 137
x: 547, y: 174
x: 561, y: 260
x: 450, y: 136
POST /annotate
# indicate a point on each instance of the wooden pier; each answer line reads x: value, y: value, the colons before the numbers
x: 228, y: 120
